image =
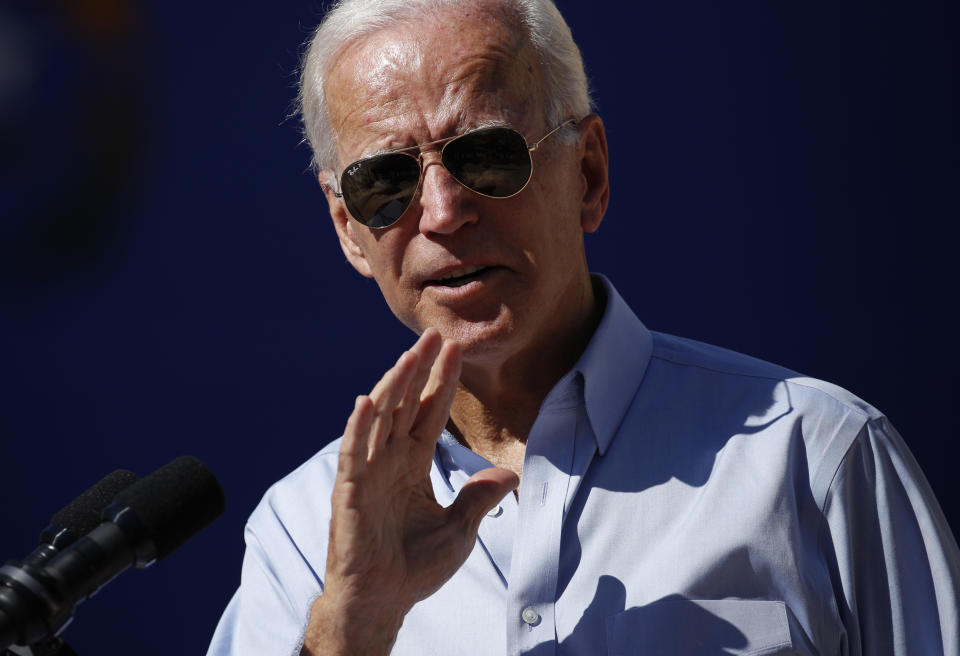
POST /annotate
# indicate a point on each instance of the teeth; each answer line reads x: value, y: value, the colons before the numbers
x: 457, y: 273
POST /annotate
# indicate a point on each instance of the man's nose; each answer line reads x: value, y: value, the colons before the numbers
x: 445, y: 204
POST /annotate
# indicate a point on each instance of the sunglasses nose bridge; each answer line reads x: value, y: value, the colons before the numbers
x: 428, y: 157
x: 444, y: 200
x: 432, y: 157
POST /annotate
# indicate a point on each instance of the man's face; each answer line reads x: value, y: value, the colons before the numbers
x: 496, y: 275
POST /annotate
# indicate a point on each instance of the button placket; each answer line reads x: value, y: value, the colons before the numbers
x: 536, y: 549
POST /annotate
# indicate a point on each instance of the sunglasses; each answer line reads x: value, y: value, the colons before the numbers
x: 493, y: 162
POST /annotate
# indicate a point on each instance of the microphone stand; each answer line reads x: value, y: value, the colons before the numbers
x: 50, y: 647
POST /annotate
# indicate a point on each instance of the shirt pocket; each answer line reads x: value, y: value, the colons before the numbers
x: 690, y: 627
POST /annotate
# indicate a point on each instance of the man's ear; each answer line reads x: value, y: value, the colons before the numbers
x: 346, y: 231
x: 594, y: 162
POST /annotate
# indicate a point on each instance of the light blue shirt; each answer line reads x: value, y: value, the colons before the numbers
x: 677, y: 498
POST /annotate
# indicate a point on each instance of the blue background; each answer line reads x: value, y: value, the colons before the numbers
x: 784, y: 183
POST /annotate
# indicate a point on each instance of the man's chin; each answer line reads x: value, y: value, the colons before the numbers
x: 479, y: 340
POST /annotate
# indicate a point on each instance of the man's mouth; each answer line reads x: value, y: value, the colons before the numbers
x: 459, y: 277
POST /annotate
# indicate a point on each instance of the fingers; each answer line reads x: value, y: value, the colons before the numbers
x: 353, y: 447
x: 386, y: 396
x: 395, y: 401
x: 437, y: 396
x: 426, y: 349
x: 397, y: 396
x: 482, y: 492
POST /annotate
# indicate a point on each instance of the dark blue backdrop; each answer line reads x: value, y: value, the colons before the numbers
x: 784, y: 183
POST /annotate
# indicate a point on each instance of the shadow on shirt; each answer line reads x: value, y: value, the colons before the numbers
x: 676, y: 625
x: 710, y: 447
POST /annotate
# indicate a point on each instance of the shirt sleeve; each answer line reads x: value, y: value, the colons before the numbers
x: 282, y: 565
x: 262, y: 618
x: 895, y: 567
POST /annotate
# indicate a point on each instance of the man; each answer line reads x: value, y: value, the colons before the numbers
x: 667, y: 496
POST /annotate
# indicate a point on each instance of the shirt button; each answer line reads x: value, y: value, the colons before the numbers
x: 530, y: 616
x: 495, y: 511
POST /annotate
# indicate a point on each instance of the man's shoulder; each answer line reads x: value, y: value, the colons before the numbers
x: 320, y: 468
x: 683, y: 351
x: 733, y: 370
x: 771, y: 409
x: 298, y: 492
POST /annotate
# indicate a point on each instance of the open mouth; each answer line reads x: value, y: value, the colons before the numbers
x: 460, y: 277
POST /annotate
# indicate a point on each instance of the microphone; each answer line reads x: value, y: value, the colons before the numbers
x: 146, y: 522
x: 79, y: 517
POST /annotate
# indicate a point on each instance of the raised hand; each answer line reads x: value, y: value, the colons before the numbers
x: 391, y: 544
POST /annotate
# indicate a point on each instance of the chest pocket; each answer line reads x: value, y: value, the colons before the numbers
x: 687, y: 627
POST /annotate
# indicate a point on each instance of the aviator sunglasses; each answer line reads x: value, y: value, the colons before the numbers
x: 495, y: 162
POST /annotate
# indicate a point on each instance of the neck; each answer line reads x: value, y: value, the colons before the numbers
x: 498, y: 401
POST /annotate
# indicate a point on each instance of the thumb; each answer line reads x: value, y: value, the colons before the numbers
x: 482, y: 492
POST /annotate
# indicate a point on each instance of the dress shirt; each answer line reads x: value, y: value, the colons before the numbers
x: 677, y: 498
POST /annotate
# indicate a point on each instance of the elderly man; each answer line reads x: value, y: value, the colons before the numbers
x: 539, y: 473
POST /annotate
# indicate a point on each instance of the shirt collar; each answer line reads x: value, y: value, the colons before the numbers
x: 607, y: 375
x: 613, y: 365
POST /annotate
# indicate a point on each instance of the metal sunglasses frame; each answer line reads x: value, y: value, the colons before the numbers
x: 444, y: 143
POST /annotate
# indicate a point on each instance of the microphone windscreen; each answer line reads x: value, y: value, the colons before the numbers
x: 175, y: 502
x: 82, y: 515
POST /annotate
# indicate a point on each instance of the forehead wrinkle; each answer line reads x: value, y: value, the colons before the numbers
x: 441, y: 119
x: 375, y: 73
x: 400, y: 92
x: 478, y: 71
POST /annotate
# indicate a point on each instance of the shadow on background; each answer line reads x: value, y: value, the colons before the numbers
x: 784, y: 181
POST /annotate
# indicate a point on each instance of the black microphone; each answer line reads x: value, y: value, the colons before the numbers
x: 147, y: 521
x: 79, y: 517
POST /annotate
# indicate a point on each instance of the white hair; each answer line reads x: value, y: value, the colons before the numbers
x: 564, y: 80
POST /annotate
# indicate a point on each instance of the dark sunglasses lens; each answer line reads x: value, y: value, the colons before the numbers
x: 378, y: 190
x: 494, y: 161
